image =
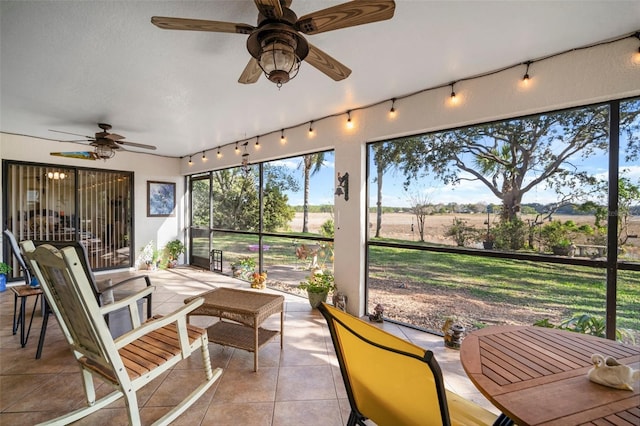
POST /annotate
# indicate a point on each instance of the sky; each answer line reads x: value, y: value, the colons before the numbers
x: 434, y: 191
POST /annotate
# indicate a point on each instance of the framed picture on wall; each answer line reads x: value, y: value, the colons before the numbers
x: 161, y: 199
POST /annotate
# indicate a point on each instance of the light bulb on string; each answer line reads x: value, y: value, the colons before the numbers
x: 453, y: 97
x: 190, y: 161
x: 237, y: 150
x: 311, y: 131
x: 526, y: 78
x: 219, y: 154
x: 392, y: 111
x: 283, y: 140
x: 349, y: 122
x: 636, y: 56
x: 257, y: 142
x: 204, y: 157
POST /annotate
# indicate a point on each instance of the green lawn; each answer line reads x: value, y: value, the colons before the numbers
x: 561, y: 290
x: 570, y: 289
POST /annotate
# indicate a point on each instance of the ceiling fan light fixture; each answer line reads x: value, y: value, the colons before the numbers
x: 278, y: 59
x: 104, y: 152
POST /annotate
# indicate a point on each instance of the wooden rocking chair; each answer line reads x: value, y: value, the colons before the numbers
x: 130, y: 361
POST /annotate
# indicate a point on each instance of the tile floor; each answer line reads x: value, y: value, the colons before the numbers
x: 299, y: 385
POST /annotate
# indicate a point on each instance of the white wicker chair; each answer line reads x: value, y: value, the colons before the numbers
x: 130, y: 361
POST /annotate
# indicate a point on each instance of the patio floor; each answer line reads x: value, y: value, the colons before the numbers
x: 299, y: 385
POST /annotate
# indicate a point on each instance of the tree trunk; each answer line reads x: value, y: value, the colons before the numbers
x: 379, y: 203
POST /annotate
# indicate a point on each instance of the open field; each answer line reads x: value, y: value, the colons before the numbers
x: 400, y: 225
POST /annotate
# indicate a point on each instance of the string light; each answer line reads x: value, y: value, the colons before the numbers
x: 454, y: 98
x: 525, y: 78
x: 257, y: 142
x: 204, y: 157
x: 349, y: 122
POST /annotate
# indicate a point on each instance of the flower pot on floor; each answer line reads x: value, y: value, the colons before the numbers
x: 316, y: 298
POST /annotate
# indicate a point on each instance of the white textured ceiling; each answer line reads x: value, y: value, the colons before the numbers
x: 67, y: 65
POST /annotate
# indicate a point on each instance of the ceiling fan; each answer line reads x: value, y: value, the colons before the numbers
x: 105, y: 144
x: 277, y: 45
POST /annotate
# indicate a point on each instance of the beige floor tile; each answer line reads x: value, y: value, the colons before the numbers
x: 299, y: 384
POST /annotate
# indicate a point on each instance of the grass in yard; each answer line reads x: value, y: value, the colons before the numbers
x: 568, y: 288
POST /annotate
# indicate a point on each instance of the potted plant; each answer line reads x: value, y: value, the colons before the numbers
x: 174, y: 249
x: 244, y: 267
x: 556, y: 236
x: 4, y: 270
x: 318, y: 285
x: 489, y: 240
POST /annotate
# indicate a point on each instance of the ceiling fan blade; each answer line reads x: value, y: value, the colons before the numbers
x: 135, y: 144
x: 69, y: 133
x: 251, y: 72
x: 269, y: 8
x: 82, y: 155
x: 167, y: 23
x: 113, y: 136
x: 327, y: 64
x: 346, y: 15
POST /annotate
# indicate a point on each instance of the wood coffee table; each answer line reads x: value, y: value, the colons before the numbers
x: 247, y: 310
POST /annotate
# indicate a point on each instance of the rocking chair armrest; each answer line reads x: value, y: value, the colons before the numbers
x: 125, y: 281
x: 128, y: 301
x: 179, y: 316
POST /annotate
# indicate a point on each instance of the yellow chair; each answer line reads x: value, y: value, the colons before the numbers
x: 126, y: 363
x: 394, y: 382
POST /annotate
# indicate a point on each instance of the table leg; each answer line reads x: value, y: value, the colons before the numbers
x: 255, y: 345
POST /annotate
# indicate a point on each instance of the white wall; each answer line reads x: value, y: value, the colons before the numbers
x: 577, y: 78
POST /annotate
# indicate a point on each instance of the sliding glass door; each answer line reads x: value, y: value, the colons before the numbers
x: 53, y: 203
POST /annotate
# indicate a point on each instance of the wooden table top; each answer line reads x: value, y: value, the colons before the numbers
x: 538, y: 376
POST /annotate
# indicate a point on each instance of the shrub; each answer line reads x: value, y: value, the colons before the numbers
x: 327, y: 228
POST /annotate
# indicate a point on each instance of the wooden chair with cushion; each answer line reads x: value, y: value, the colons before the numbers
x: 394, y: 382
x: 128, y: 362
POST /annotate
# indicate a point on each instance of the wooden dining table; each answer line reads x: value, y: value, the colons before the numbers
x: 538, y: 376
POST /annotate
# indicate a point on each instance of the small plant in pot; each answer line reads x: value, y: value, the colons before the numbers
x: 174, y: 249
x: 318, y: 285
x: 4, y: 270
x: 244, y: 268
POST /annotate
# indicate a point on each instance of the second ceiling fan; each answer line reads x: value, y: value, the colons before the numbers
x: 277, y: 45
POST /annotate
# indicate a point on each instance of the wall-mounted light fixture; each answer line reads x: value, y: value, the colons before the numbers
x: 343, y: 186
